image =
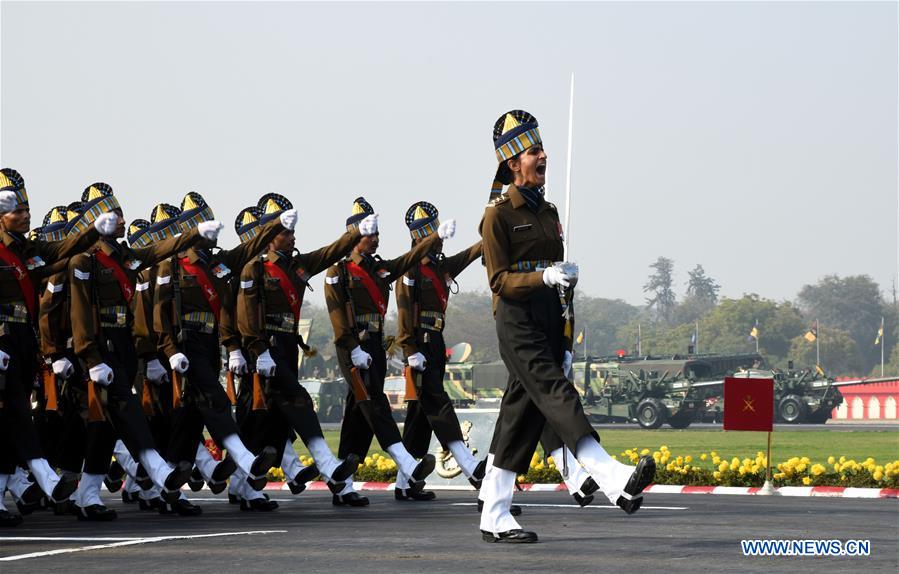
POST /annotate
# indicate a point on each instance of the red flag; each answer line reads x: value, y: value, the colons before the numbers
x: 748, y: 404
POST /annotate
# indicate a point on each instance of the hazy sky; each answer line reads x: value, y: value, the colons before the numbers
x: 758, y: 139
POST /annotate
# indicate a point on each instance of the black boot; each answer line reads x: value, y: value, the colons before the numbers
x: 640, y: 479
x: 585, y: 496
x: 411, y: 494
x: 64, y: 488
x: 221, y: 473
x: 421, y: 472
x: 32, y: 499
x: 9, y: 519
x: 478, y: 475
x: 195, y: 482
x: 176, y: 479
x: 258, y: 505
x: 94, y: 513
x: 181, y: 507
x: 130, y: 497
x: 351, y: 499
x: 114, y: 477
x: 257, y: 477
x: 517, y: 536
x: 298, y: 483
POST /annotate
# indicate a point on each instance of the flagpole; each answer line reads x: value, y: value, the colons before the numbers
x: 817, y: 344
x: 585, y: 343
x: 881, y: 345
x: 696, y: 343
x: 639, y: 346
x: 568, y: 171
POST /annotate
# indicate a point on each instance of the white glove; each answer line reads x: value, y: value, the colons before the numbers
x: 155, y: 371
x: 360, y: 358
x: 106, y: 223
x: 236, y: 363
x: 447, y: 229
x: 369, y: 225
x: 554, y: 276
x: 63, y: 368
x: 289, y: 218
x: 566, y: 364
x: 7, y: 201
x: 179, y: 363
x: 417, y: 361
x: 4, y: 361
x: 265, y: 365
x: 210, y: 229
x: 101, y: 374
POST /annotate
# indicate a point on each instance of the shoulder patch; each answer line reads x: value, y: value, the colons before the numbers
x: 142, y: 286
x: 408, y: 281
x: 163, y: 279
x: 51, y: 288
x: 246, y: 284
x: 82, y: 275
x: 332, y: 279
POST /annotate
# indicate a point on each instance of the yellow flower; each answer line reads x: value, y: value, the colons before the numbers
x: 806, y: 480
x: 724, y: 467
x: 688, y: 458
x: 703, y: 456
x: 818, y: 469
x: 831, y: 459
x: 837, y: 467
x: 644, y: 452
x: 368, y: 460
x: 663, y: 447
x: 878, y: 475
x: 735, y: 462
x: 716, y: 459
x: 716, y: 475
x: 549, y: 460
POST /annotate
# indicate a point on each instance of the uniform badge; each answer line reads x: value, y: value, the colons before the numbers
x: 220, y: 270
x: 34, y: 263
x: 561, y: 234
x: 133, y: 264
x: 382, y: 273
x: 304, y: 277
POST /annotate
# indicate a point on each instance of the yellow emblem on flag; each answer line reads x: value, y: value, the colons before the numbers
x: 879, y: 335
x: 748, y: 402
x: 754, y: 333
x: 810, y: 337
x: 819, y: 370
x: 580, y: 337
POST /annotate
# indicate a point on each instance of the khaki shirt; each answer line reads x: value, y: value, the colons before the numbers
x: 384, y: 272
x: 416, y: 294
x: 145, y: 340
x: 299, y: 269
x: 104, y: 291
x: 54, y: 325
x: 221, y: 268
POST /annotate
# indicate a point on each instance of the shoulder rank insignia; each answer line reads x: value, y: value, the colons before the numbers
x: 34, y: 263
x: 220, y: 270
x: 498, y: 200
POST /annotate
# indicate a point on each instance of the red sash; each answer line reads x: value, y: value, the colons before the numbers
x: 25, y: 284
x: 293, y: 298
x: 206, y: 286
x: 438, y: 285
x: 125, y: 284
x: 370, y: 286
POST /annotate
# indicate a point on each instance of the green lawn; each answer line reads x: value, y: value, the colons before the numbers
x: 883, y: 446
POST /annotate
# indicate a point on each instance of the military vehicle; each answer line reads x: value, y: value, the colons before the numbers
x: 648, y: 390
x: 806, y: 395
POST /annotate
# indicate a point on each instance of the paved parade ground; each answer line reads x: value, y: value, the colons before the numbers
x: 674, y: 533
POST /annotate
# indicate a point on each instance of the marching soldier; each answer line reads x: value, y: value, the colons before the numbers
x: 192, y: 295
x: 268, y: 312
x: 20, y: 257
x: 102, y: 290
x: 356, y: 292
x: 522, y: 240
x: 422, y: 295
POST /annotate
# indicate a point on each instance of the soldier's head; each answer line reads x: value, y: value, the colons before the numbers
x: 96, y: 200
x: 519, y: 150
x: 422, y: 220
x: 194, y: 211
x: 368, y: 245
x: 270, y: 206
x: 19, y: 219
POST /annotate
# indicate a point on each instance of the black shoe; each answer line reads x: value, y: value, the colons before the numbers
x: 517, y: 536
x: 9, y: 519
x: 195, y: 482
x: 94, y: 513
x: 181, y: 507
x: 419, y: 495
x: 346, y: 469
x: 172, y: 488
x: 421, y: 472
x: 32, y: 499
x: 514, y: 509
x: 221, y: 473
x: 142, y: 478
x: 64, y: 488
x: 351, y: 499
x: 130, y: 497
x: 114, y: 477
x: 640, y: 479
x: 257, y: 477
x: 585, y: 496
x: 233, y: 499
x: 156, y: 503
x: 478, y: 475
x: 298, y: 483
x: 258, y: 505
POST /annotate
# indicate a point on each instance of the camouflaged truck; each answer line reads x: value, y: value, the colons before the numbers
x: 650, y: 391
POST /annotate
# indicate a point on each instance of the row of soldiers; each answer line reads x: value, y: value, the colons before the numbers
x: 119, y: 345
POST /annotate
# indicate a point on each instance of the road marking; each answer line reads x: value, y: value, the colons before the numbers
x: 134, y: 541
x: 596, y: 506
x: 65, y: 539
x: 223, y: 499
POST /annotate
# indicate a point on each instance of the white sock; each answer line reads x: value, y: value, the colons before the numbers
x: 466, y: 461
x: 156, y: 466
x: 348, y: 487
x: 204, y: 462
x: 235, y: 484
x: 610, y: 475
x: 246, y: 492
x: 486, y: 470
x: 88, y: 491
x: 290, y: 462
x: 576, y: 473
x: 4, y: 480
x: 324, y: 459
x: 130, y: 486
x: 124, y: 458
x: 402, y: 481
x: 243, y: 457
x: 151, y: 493
x: 45, y: 476
x: 402, y: 458
x: 18, y: 483
x: 496, y: 491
